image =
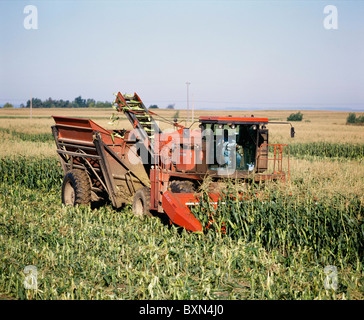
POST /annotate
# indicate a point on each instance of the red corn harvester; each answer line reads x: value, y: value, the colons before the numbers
x: 159, y: 172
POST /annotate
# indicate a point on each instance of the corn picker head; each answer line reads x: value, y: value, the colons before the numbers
x: 161, y: 171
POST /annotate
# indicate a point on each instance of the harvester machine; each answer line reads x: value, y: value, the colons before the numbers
x: 160, y: 171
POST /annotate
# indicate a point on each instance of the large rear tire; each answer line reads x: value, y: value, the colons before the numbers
x: 76, y: 188
x: 141, y: 202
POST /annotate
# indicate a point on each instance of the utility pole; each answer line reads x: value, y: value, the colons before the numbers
x: 31, y: 105
x: 193, y: 110
x: 188, y: 107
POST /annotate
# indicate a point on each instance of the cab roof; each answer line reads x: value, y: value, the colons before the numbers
x: 242, y: 120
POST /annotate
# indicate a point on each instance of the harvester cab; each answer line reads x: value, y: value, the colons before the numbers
x: 158, y: 171
x: 228, y: 146
x: 235, y: 146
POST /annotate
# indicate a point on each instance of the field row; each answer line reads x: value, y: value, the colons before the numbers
x: 34, y: 137
x: 327, y: 150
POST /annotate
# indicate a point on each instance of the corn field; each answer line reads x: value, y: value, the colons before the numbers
x: 327, y: 150
x: 273, y: 242
x: 332, y: 231
x: 34, y: 137
x: 275, y: 245
x: 31, y: 172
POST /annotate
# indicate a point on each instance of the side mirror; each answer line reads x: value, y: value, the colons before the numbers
x: 292, y: 132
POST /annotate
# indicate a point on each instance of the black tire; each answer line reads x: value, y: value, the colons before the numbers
x: 76, y: 188
x: 183, y: 186
x: 141, y: 202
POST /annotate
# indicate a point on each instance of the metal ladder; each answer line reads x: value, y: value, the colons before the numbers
x: 140, y: 118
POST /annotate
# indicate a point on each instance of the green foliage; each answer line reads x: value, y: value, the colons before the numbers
x: 325, y: 149
x: 100, y: 104
x: 8, y: 105
x: 352, y: 119
x: 153, y: 106
x: 31, y: 172
x: 34, y: 137
x: 80, y: 103
x: 295, y: 116
x: 36, y: 103
x: 91, y: 103
x: 77, y: 103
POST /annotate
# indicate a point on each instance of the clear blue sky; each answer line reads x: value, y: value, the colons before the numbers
x: 236, y: 54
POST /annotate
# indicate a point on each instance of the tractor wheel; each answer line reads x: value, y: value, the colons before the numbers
x: 185, y: 186
x: 76, y: 188
x: 141, y: 202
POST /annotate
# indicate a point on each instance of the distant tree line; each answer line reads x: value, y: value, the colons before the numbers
x: 77, y: 103
x: 154, y: 106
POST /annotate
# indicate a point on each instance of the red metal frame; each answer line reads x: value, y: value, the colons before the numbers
x: 278, y: 157
x: 82, y: 131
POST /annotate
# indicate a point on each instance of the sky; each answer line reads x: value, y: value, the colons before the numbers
x: 235, y: 54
